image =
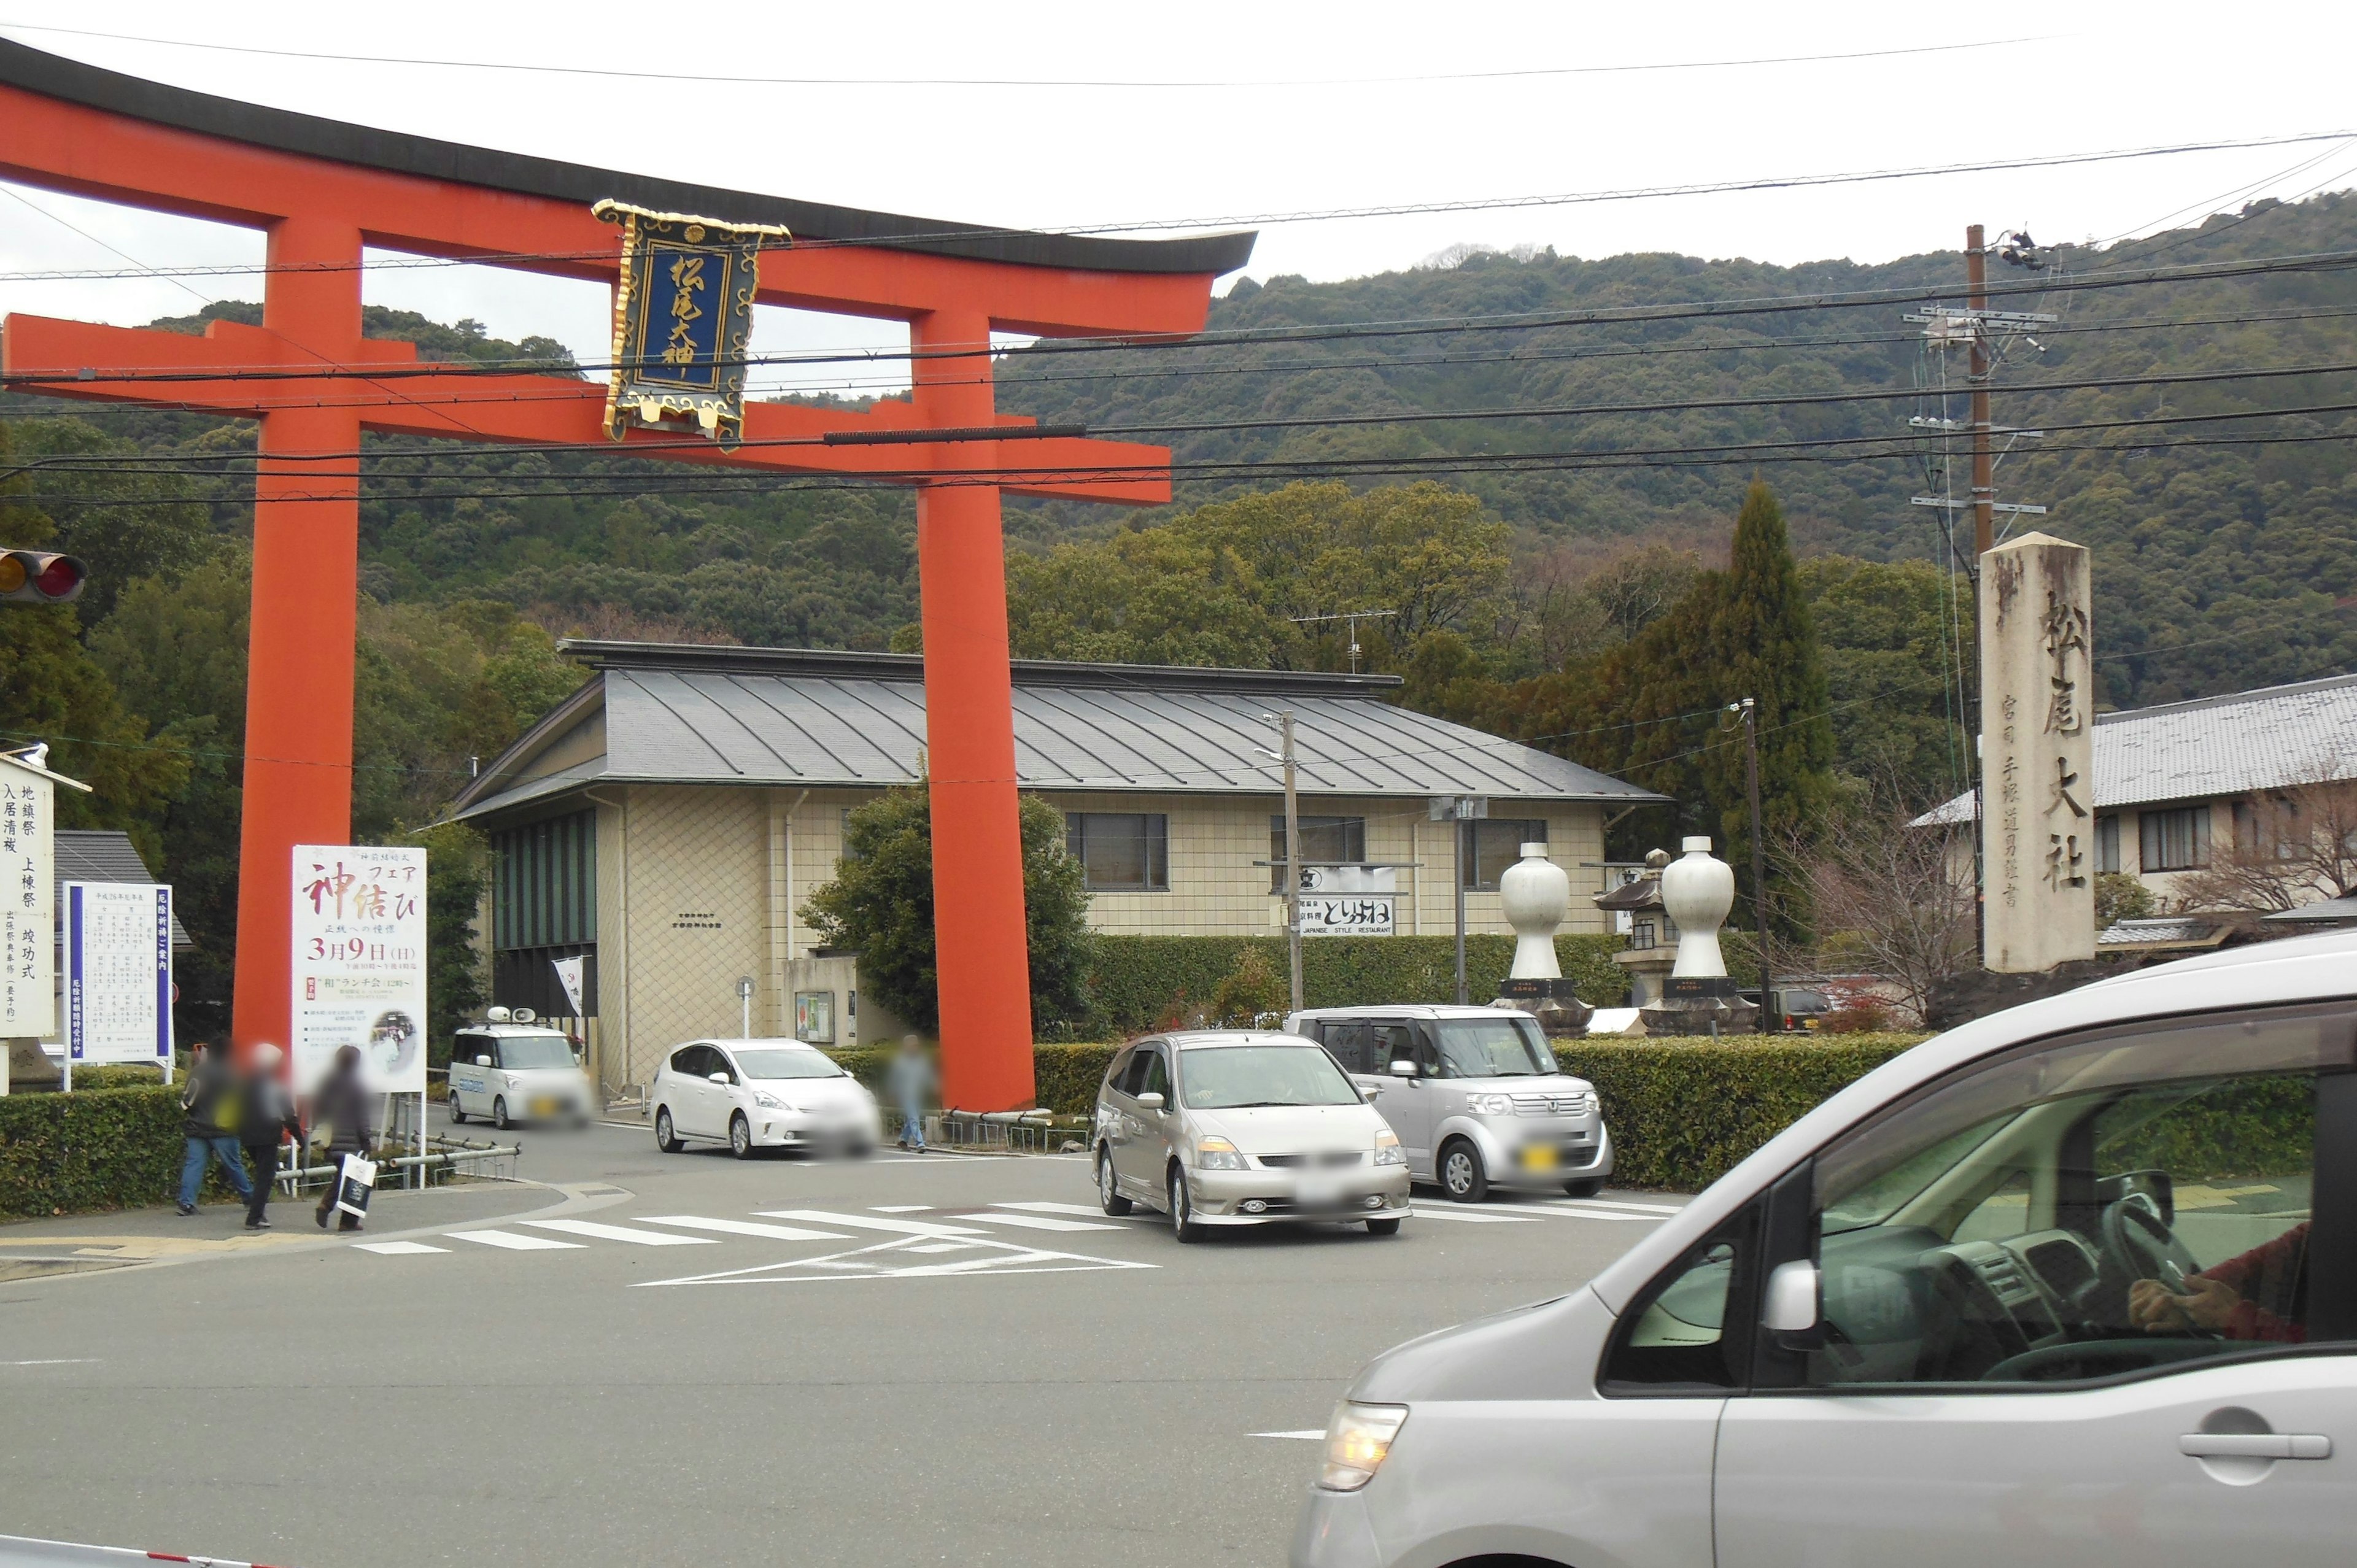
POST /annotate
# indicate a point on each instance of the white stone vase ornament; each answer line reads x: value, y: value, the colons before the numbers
x: 1536, y: 894
x: 1698, y: 891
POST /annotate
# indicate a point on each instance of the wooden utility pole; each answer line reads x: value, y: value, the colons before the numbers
x: 1759, y: 857
x: 1984, y: 463
x: 1292, y: 862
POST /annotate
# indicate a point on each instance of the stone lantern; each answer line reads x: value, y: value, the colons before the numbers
x: 1535, y: 893
x: 1698, y: 997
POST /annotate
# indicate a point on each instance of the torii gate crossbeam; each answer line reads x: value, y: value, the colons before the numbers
x: 321, y: 190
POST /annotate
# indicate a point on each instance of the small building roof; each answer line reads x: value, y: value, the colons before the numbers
x: 2323, y: 912
x: 668, y: 714
x: 105, y: 855
x: 2161, y: 935
x: 2211, y: 746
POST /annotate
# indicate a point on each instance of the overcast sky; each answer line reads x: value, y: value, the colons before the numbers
x: 1279, y: 114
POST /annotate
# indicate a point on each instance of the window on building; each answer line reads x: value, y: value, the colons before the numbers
x: 1121, y: 852
x: 2174, y: 841
x: 2107, y: 843
x: 547, y: 883
x: 1493, y: 843
x: 1322, y: 839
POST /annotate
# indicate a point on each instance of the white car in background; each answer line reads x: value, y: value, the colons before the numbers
x: 513, y: 1071
x: 761, y: 1094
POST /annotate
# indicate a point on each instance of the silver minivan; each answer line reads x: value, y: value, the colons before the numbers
x: 1478, y: 1101
x: 2074, y: 1283
x: 1218, y: 1128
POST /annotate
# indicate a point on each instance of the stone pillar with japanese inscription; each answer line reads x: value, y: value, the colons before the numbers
x: 2037, y: 784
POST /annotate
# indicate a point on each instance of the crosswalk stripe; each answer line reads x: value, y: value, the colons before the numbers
x: 397, y: 1249
x: 746, y: 1227
x: 1425, y: 1211
x: 1617, y: 1203
x: 1090, y: 1210
x: 869, y: 1222
x: 1044, y: 1222
x: 509, y: 1240
x: 899, y: 1208
x: 620, y: 1233
x: 1565, y: 1211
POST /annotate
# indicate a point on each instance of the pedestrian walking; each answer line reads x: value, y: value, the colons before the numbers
x: 265, y: 1117
x: 911, y: 1086
x: 340, y: 1110
x: 208, y: 1118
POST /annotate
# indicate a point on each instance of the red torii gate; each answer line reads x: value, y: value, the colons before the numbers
x: 321, y: 189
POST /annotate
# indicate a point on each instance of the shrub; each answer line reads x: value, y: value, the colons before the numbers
x: 1252, y: 989
x: 1865, y: 1015
x: 103, y: 1148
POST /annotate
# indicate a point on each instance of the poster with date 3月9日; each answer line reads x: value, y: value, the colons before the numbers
x: 358, y: 935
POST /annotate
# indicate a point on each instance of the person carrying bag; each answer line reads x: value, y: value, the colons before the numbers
x: 340, y: 1110
x: 208, y: 1103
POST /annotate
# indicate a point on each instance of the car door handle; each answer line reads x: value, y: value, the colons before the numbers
x: 2254, y: 1446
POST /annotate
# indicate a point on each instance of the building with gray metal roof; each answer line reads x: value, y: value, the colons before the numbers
x: 670, y: 819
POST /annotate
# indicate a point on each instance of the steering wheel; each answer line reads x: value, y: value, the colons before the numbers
x: 2139, y: 1245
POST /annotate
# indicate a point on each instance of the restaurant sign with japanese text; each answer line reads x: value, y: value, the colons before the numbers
x: 358, y: 932
x: 2038, y: 772
x: 683, y: 319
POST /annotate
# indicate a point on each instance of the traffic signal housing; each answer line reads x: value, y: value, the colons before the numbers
x: 40, y: 577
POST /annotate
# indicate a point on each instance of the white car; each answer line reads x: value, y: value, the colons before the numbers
x: 2074, y: 1283
x: 517, y: 1072
x: 761, y: 1094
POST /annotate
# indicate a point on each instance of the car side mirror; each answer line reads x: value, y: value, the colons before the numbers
x: 719, y: 1078
x: 577, y: 1058
x: 1149, y: 1102
x: 1790, y: 1310
x: 1402, y: 1069
x: 482, y: 1061
x: 1373, y: 1091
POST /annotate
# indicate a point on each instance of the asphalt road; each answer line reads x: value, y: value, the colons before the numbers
x: 980, y: 1384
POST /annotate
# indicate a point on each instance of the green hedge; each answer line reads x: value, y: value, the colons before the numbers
x: 101, y: 1148
x: 1138, y: 983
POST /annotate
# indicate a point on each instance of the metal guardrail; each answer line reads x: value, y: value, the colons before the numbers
x: 447, y: 1159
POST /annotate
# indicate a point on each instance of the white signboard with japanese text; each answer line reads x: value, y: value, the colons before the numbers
x: 1349, y: 900
x: 2038, y: 771
x: 28, y: 916
x: 359, y: 938
x: 118, y: 973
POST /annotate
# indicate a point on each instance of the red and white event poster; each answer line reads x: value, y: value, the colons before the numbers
x: 359, y: 933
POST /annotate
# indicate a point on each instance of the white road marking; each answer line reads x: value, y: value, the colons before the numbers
x: 1318, y: 1435
x: 620, y: 1233
x: 868, y: 1222
x: 899, y: 1208
x: 57, y: 1361
x: 1566, y: 1211
x: 889, y: 1260
x: 397, y: 1249
x: 943, y: 1247
x: 1090, y: 1210
x: 746, y: 1227
x: 1044, y: 1222
x: 509, y: 1240
x: 1615, y: 1203
x: 1431, y: 1211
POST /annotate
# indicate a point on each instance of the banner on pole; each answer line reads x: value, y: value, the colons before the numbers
x: 118, y: 973
x: 28, y: 916
x: 359, y: 938
x: 572, y: 974
x: 683, y: 317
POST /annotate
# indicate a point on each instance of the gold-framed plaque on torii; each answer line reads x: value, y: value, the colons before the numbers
x: 683, y: 318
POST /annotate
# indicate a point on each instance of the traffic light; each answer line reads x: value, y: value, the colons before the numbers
x: 39, y: 577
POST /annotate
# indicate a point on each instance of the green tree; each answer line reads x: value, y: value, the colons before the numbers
x: 881, y: 904
x: 1893, y: 635
x: 458, y: 872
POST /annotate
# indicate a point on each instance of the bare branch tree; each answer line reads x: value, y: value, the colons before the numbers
x: 1891, y: 899
x: 2288, y: 847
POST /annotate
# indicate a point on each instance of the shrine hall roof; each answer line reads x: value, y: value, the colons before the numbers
x: 367, y: 146
x: 667, y: 714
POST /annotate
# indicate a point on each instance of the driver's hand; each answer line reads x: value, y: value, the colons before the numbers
x: 2153, y: 1307
x: 2206, y: 1304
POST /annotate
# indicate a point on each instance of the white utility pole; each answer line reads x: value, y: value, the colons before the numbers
x: 1292, y: 861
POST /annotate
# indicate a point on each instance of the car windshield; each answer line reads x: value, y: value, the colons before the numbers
x: 528, y: 1051
x: 783, y: 1062
x: 1493, y: 1047
x: 1230, y: 1077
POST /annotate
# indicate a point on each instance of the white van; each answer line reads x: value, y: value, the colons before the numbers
x: 2075, y: 1283
x: 517, y: 1071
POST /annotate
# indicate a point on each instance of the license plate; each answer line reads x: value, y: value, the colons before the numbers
x: 543, y: 1108
x: 1539, y: 1157
x: 1317, y: 1195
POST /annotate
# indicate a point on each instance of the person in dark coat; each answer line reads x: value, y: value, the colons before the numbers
x: 265, y: 1117
x: 342, y: 1106
x: 208, y: 1107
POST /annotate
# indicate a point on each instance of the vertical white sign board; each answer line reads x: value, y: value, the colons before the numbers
x: 118, y: 973
x: 358, y: 934
x: 2038, y: 745
x: 28, y: 917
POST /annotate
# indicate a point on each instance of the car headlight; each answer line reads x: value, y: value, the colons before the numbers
x: 1489, y: 1104
x: 768, y: 1102
x: 1357, y: 1439
x: 1219, y: 1155
x: 1387, y: 1149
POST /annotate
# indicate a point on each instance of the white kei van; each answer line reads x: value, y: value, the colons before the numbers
x: 2073, y: 1284
x: 517, y: 1072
